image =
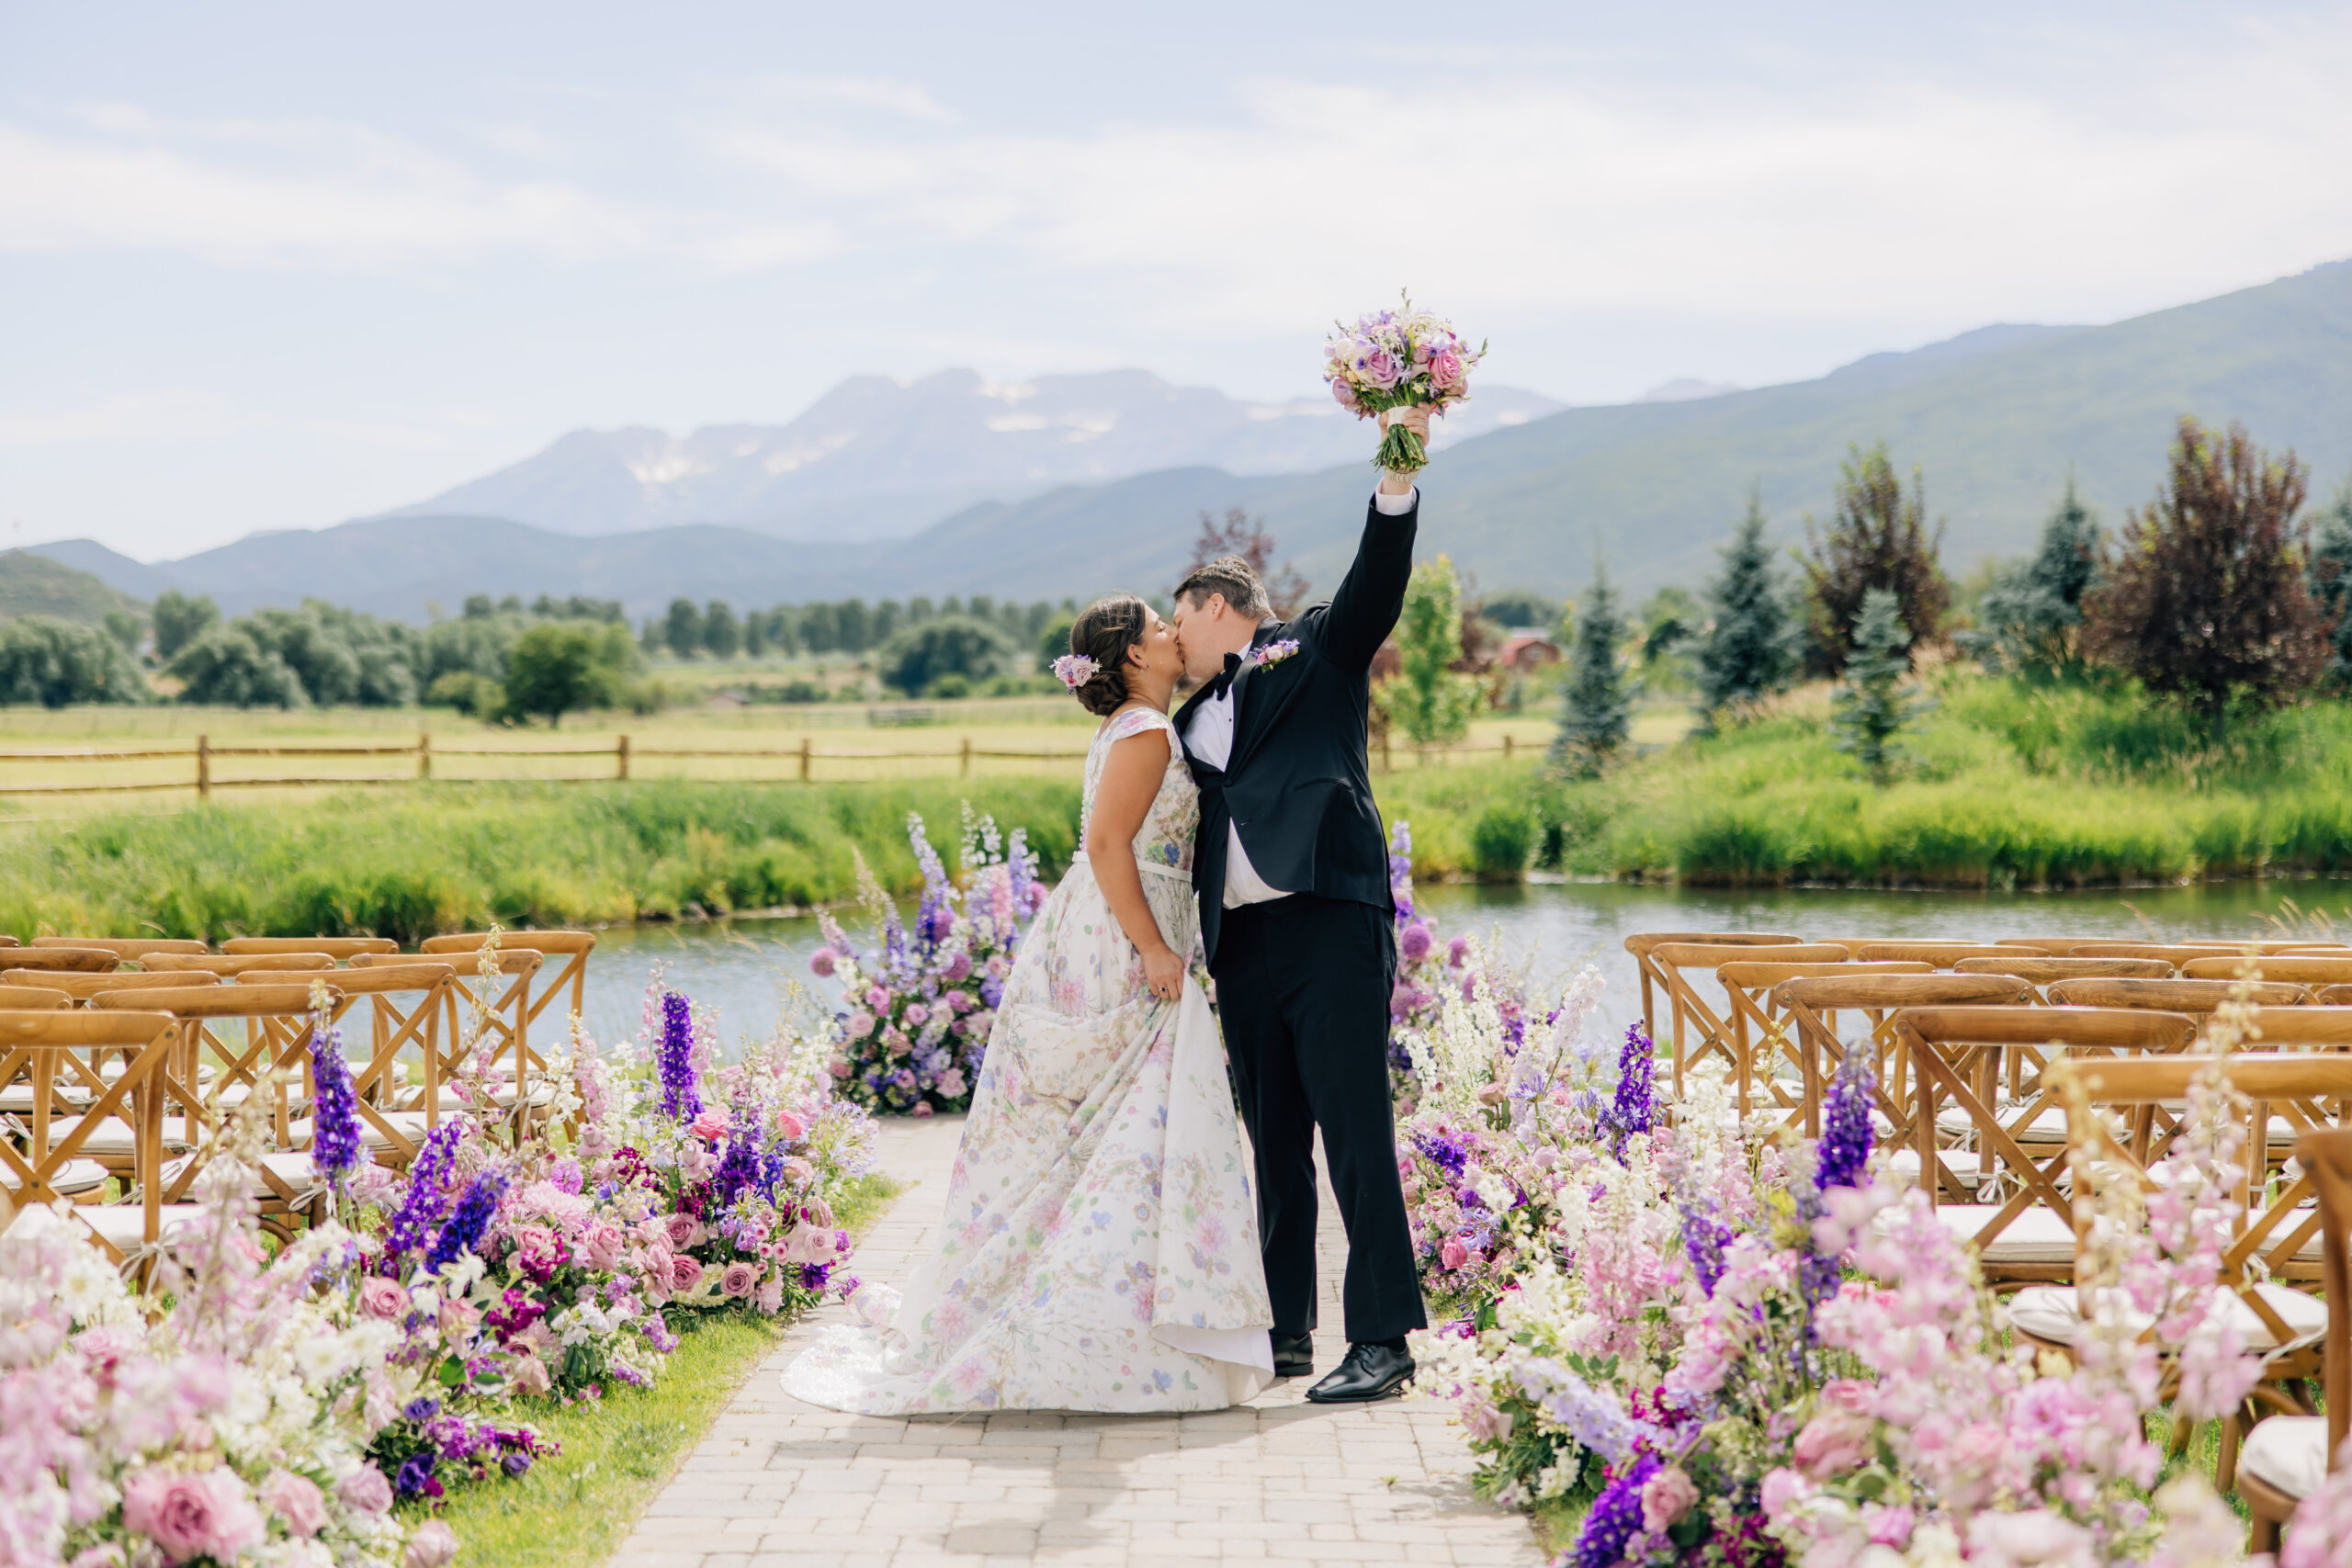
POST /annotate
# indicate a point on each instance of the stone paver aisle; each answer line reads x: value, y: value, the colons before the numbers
x: 778, y: 1484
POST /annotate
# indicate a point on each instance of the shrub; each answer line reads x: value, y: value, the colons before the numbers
x: 226, y: 667
x: 1501, y: 841
x: 476, y: 696
x: 1427, y: 700
x: 180, y: 620
x: 55, y: 662
x: 558, y: 667
x: 947, y: 645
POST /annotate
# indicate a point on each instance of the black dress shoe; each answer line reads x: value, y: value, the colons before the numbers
x: 1370, y: 1372
x: 1293, y: 1354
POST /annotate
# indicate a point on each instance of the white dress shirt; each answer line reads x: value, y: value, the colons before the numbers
x: 1209, y: 737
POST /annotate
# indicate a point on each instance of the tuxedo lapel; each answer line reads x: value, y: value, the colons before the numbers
x: 1246, y: 731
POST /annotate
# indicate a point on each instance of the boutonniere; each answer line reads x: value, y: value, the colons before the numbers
x: 1269, y: 653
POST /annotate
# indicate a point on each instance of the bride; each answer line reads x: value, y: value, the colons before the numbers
x: 1100, y: 1247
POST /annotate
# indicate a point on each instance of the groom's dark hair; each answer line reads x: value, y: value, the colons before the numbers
x: 1232, y: 576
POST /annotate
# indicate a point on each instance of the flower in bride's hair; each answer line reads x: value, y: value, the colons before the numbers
x: 1076, y: 670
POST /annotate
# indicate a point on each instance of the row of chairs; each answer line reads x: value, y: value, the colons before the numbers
x: 126, y: 1057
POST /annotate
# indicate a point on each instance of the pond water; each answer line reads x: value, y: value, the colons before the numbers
x: 745, y: 968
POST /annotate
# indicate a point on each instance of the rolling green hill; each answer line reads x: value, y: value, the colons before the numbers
x: 35, y: 585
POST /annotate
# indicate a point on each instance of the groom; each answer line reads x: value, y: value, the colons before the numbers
x: 1292, y: 871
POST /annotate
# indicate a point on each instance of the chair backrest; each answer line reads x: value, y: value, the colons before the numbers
x: 1812, y: 1004
x: 2326, y: 1157
x: 54, y: 1047
x: 1752, y: 974
x: 406, y: 1004
x: 1698, y: 1030
x: 2300, y: 969
x: 33, y: 998
x: 68, y: 960
x: 2048, y: 946
x: 1759, y: 1027
x: 334, y: 946
x: 86, y: 986
x: 572, y: 947
x: 228, y: 966
x: 2291, y: 1028
x: 1640, y: 944
x: 1942, y: 955
x: 269, y: 1057
x: 2179, y: 952
x: 127, y: 949
x: 2042, y: 971
x: 2173, y: 996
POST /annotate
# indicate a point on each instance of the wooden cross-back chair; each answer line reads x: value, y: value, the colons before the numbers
x: 269, y: 1056
x: 46, y: 1047
x: 82, y: 985
x: 1698, y: 1031
x: 2274, y: 1238
x: 2286, y: 1458
x: 228, y: 966
x: 1640, y: 944
x: 1937, y: 955
x: 1761, y: 1030
x: 2198, y: 996
x: 63, y: 960
x: 2316, y: 970
x: 16, y: 1098
x: 406, y: 1001
x: 1956, y: 1054
x: 337, y: 947
x: 126, y: 949
x: 1811, y: 1007
x: 497, y: 1006
x: 2179, y: 953
x: 2038, y: 971
x: 572, y: 947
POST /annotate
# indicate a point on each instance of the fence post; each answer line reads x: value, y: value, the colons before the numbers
x: 204, y: 767
x: 1506, y: 745
x: 1387, y: 762
x: 620, y: 757
x: 964, y: 769
x: 805, y: 751
x: 424, y: 754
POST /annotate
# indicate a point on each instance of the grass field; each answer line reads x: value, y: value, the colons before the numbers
x: 570, y: 1511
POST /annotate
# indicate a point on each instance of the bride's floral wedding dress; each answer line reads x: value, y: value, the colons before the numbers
x: 1100, y: 1248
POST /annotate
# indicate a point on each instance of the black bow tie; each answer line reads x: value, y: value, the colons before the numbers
x: 1222, y: 682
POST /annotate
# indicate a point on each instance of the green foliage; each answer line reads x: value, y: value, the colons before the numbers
x: 722, y: 636
x: 1751, y: 652
x: 1596, y: 701
x: 2331, y: 583
x: 128, y: 629
x: 2028, y: 619
x: 180, y: 620
x: 1875, y: 703
x: 1427, y: 700
x: 228, y: 667
x: 2207, y: 602
x: 55, y: 663
x: 452, y: 857
x: 1519, y: 609
x: 1053, y: 642
x: 1501, y: 841
x: 682, y: 629
x: 34, y: 584
x: 1879, y: 539
x: 476, y: 696
x: 950, y: 645
x: 559, y: 667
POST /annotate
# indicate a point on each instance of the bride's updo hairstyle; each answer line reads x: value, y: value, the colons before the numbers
x: 1102, y: 633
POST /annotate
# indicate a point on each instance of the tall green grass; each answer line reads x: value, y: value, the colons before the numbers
x: 454, y: 857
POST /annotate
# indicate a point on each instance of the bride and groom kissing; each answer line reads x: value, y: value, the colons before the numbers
x: 1108, y: 1243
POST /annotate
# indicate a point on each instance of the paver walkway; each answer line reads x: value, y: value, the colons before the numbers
x: 782, y: 1484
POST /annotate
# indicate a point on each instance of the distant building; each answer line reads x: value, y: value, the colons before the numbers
x: 1526, y: 652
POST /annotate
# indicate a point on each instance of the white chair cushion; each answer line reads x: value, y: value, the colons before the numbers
x: 115, y: 1136
x: 2049, y: 1312
x: 410, y: 1125
x: 2037, y: 1236
x: 124, y: 1226
x: 74, y: 1178
x: 2287, y: 1453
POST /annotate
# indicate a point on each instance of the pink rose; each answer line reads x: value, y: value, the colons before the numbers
x: 1380, y: 367
x: 798, y: 1171
x: 896, y: 1043
x: 916, y: 1015
x: 877, y: 999
x: 820, y: 962
x: 1889, y: 1526
x: 189, y: 1516
x: 1666, y: 1497
x: 922, y: 1108
x: 601, y: 1245
x: 106, y: 1555
x: 458, y: 1318
x: 1447, y: 369
x: 791, y: 1128
x: 297, y: 1500
x: 685, y: 1275
x: 1832, y: 1443
x: 435, y: 1545
x: 740, y: 1279
x: 1344, y: 394
x: 996, y: 967
x: 952, y: 1084
x: 1453, y: 1255
x: 770, y: 1296
x: 365, y: 1491
x: 684, y: 1231
x: 382, y: 1299
x: 536, y: 1251
x: 839, y: 1067
x: 1783, y: 1490
x: 710, y: 1125
x: 960, y: 1001
x: 530, y: 1376
x: 817, y: 1212
x: 1850, y: 1394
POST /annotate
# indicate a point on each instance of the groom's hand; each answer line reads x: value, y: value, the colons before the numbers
x: 1417, y: 420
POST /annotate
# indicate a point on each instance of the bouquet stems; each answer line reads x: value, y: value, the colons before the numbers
x: 1401, y: 451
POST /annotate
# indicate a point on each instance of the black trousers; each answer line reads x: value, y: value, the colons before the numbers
x: 1302, y: 989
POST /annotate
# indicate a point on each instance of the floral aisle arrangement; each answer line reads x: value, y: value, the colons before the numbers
x: 917, y: 1005
x: 1398, y: 359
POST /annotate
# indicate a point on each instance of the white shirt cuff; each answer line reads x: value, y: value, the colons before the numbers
x: 1396, y: 505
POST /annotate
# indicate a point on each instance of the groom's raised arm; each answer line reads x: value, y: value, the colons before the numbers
x: 1370, y: 598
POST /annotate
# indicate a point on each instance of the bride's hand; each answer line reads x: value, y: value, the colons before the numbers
x: 1163, y: 973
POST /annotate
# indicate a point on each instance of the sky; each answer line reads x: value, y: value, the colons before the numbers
x: 273, y: 266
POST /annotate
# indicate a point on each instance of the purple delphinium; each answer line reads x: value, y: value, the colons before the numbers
x: 675, y: 1059
x: 1704, y: 1240
x: 739, y: 1167
x: 1633, y: 1112
x: 427, y: 1198
x: 464, y: 1229
x: 414, y: 1478
x: 335, y: 1146
x: 1401, y: 870
x: 1616, y: 1517
x: 1840, y: 1159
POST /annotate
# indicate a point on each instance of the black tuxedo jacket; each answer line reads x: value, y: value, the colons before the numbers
x: 1298, y: 785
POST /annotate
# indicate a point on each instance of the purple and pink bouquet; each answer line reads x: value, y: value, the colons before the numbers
x: 1398, y: 360
x: 918, y: 1005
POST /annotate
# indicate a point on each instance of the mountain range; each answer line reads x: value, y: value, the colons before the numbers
x: 1997, y: 420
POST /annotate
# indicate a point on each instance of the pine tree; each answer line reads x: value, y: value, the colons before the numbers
x: 1876, y: 702
x: 1752, y: 651
x: 2029, y: 619
x: 1597, y: 711
x: 2330, y: 581
x: 1879, y: 539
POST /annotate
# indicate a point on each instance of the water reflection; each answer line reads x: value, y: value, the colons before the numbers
x: 746, y: 966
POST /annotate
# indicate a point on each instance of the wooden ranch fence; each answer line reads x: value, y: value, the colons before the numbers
x: 419, y: 756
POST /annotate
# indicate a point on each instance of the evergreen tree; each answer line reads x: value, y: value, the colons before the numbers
x: 1870, y: 710
x: 2331, y: 575
x: 2029, y: 619
x: 1751, y: 652
x: 1879, y: 539
x: 1597, y: 711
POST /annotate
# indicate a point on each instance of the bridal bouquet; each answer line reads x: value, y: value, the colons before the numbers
x: 1398, y: 360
